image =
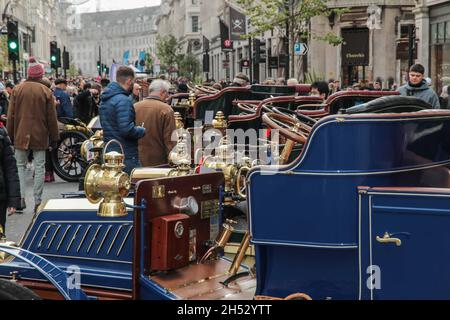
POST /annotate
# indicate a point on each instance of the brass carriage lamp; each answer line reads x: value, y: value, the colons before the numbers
x: 109, y: 185
x: 5, y: 242
x: 179, y: 121
x: 219, y: 122
x: 192, y: 99
x: 94, y: 142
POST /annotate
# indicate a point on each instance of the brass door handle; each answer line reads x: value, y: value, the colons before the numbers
x: 387, y: 239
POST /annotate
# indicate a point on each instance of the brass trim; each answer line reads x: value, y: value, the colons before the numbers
x: 54, y: 237
x: 94, y: 239
x: 159, y: 192
x: 124, y: 241
x: 84, y: 237
x: 44, y: 237
x: 73, y: 238
x: 104, y: 239
x: 387, y: 240
x: 114, y: 240
x: 63, y: 237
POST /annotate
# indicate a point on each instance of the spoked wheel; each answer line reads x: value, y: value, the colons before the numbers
x: 67, y: 160
x: 10, y: 290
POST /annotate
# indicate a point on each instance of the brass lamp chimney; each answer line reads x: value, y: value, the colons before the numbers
x: 109, y: 185
x: 220, y: 123
x: 192, y: 99
x: 179, y: 121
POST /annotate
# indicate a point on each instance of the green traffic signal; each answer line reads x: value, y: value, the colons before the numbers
x: 53, y: 58
x: 13, y: 45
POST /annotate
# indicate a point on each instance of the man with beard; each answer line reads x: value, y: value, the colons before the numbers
x: 118, y: 118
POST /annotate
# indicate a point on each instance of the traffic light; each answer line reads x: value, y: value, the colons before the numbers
x: 54, y: 54
x: 256, y: 50
x: 58, y: 58
x: 263, y: 51
x: 13, y: 40
x: 259, y: 51
x: 66, y: 58
x: 105, y: 68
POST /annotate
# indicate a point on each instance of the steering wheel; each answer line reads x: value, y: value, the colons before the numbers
x: 283, y: 111
x: 247, y: 107
x: 190, y: 86
x: 291, y: 128
x: 207, y: 89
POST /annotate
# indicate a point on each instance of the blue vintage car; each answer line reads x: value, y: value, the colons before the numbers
x: 361, y: 214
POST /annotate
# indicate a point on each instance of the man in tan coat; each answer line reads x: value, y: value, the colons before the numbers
x: 32, y: 126
x: 159, y: 120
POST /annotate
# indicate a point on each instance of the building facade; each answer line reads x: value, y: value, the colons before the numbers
x: 113, y: 36
x: 433, y: 32
x: 40, y: 22
x: 375, y: 39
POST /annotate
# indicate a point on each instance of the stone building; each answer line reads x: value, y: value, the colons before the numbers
x: 181, y: 19
x: 375, y: 42
x: 113, y: 36
x: 40, y: 22
x: 433, y: 34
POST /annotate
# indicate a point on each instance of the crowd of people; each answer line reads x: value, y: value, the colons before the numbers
x: 34, y: 108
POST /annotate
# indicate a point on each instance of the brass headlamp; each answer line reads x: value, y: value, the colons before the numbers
x: 95, y: 142
x: 219, y: 122
x: 108, y: 184
x: 3, y: 241
x: 179, y: 123
x: 192, y: 99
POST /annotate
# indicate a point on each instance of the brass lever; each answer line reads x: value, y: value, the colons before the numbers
x: 387, y: 239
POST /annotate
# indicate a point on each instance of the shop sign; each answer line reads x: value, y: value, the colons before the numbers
x: 355, y: 47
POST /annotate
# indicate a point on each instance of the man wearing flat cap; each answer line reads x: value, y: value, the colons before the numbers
x: 241, y: 80
x: 64, y: 108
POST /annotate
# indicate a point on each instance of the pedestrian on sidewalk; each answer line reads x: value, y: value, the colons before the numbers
x: 9, y: 180
x: 32, y: 125
x: 65, y: 108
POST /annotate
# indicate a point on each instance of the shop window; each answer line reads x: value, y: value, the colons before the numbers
x: 433, y: 33
x: 440, y: 32
x: 447, y: 32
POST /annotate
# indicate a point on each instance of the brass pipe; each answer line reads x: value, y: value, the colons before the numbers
x: 242, y: 252
x: 227, y: 232
x: 287, y: 150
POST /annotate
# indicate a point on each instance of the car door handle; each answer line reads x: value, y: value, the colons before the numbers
x: 387, y: 239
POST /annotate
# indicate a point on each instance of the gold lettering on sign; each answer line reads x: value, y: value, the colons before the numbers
x: 355, y: 55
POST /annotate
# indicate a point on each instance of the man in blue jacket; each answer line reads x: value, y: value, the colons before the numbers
x: 64, y: 104
x: 118, y: 118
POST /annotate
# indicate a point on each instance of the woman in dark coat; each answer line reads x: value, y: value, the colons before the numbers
x: 9, y: 179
